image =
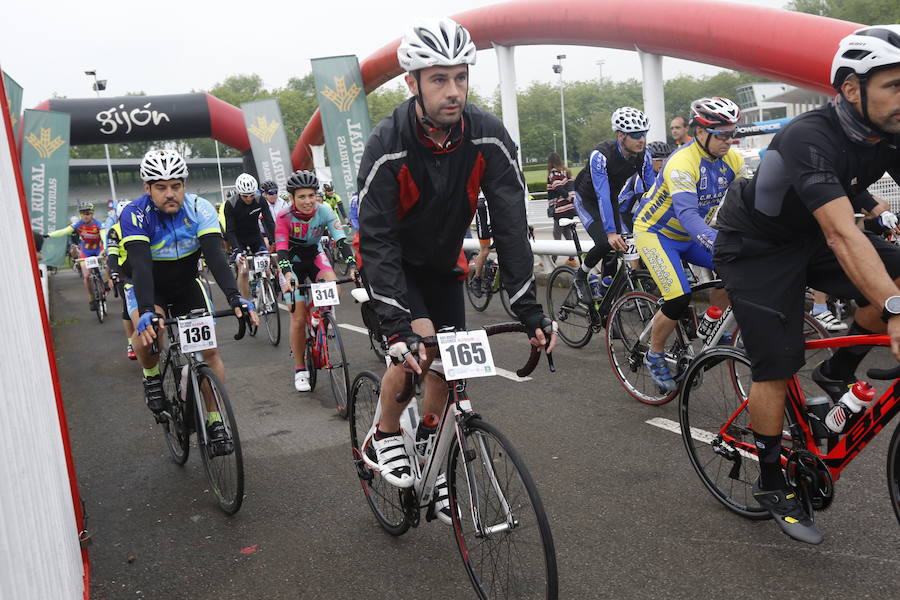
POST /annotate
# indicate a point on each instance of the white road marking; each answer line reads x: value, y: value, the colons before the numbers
x: 701, y: 435
x: 354, y: 328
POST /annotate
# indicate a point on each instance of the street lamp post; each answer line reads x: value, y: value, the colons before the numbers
x: 100, y: 85
x: 557, y: 68
x: 554, y: 141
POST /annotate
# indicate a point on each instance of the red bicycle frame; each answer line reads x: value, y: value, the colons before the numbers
x: 855, y: 439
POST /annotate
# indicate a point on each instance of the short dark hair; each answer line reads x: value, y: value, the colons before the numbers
x: 684, y: 122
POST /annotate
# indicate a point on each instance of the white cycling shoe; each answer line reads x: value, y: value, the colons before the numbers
x: 831, y: 323
x: 442, y: 500
x: 301, y: 381
x: 393, y: 460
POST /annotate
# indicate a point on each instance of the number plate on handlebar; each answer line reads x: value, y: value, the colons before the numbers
x: 631, y: 253
x: 324, y: 294
x: 466, y: 354
x: 92, y: 262
x: 197, y: 334
x: 260, y: 263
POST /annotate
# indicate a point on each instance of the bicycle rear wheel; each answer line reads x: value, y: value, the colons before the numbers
x: 99, y: 297
x: 224, y: 464
x: 501, y: 527
x: 383, y: 498
x: 271, y: 314
x: 715, y: 428
x: 627, y: 320
x: 176, y: 428
x: 573, y: 317
x: 893, y: 471
x: 338, y: 369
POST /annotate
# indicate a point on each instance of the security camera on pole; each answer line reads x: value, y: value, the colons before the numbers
x: 98, y: 86
x: 557, y: 68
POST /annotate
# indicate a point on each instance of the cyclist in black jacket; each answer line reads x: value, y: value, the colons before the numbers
x: 419, y: 180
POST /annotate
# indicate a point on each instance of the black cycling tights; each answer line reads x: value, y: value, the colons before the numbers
x: 675, y: 307
x: 601, y: 249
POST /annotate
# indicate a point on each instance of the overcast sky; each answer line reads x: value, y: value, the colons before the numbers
x: 164, y: 46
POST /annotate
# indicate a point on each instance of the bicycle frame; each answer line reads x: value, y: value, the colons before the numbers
x: 189, y: 373
x: 449, y: 431
x: 852, y: 441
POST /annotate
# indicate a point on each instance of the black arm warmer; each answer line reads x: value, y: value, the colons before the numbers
x: 211, y: 246
x: 141, y: 262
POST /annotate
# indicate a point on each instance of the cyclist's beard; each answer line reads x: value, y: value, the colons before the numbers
x: 444, y: 120
x: 889, y: 124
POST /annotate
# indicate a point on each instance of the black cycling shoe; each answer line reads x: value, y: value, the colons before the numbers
x: 789, y: 514
x: 153, y: 394
x: 219, y: 443
x: 835, y: 388
x: 93, y: 305
x: 582, y: 288
x: 476, y: 286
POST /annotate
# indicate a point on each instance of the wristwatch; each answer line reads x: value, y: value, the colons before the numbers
x: 891, y: 308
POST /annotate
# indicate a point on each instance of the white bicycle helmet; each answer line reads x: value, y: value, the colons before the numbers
x: 715, y: 112
x: 246, y: 184
x: 162, y: 165
x: 120, y: 206
x: 864, y: 51
x: 442, y: 42
x: 629, y: 120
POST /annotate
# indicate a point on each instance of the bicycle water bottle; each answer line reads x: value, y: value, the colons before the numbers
x: 709, y: 322
x: 314, y: 318
x: 850, y: 407
x: 425, y: 434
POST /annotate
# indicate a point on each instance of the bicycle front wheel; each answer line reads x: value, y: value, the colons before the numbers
x: 629, y: 317
x: 507, y: 306
x: 99, y: 297
x: 336, y: 364
x: 478, y: 303
x: 223, y: 461
x: 176, y: 427
x: 715, y: 428
x: 573, y: 317
x: 271, y: 314
x: 383, y: 498
x: 502, y: 530
x: 893, y: 471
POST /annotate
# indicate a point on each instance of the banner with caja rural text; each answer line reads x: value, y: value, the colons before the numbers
x: 345, y: 117
x: 14, y: 97
x: 45, y: 177
x: 268, y: 141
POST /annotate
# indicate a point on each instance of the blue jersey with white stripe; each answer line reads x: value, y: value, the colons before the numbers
x: 171, y: 237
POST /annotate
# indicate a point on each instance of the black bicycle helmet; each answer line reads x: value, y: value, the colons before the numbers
x: 268, y: 184
x: 659, y: 149
x: 302, y: 180
x: 327, y: 187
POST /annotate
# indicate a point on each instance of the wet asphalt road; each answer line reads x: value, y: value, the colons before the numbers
x: 629, y: 515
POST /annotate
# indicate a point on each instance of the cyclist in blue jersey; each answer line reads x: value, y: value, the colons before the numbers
x: 597, y: 186
x: 164, y: 232
x: 298, y: 233
x: 674, y: 220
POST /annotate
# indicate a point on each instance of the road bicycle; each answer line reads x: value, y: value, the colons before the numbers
x: 377, y: 342
x: 324, y: 346
x: 191, y: 391
x: 578, y: 320
x: 337, y: 261
x: 499, y: 522
x: 490, y: 285
x: 716, y: 430
x: 98, y: 287
x: 263, y: 294
x: 628, y: 331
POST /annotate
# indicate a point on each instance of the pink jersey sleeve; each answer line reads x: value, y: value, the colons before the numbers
x: 282, y: 230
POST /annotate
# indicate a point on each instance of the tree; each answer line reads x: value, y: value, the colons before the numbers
x: 869, y: 12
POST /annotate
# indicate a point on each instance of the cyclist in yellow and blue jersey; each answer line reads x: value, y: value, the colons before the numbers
x: 674, y: 221
x: 116, y: 255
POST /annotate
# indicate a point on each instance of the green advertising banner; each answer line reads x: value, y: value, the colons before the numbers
x: 345, y: 117
x: 45, y: 177
x: 14, y: 97
x: 268, y: 141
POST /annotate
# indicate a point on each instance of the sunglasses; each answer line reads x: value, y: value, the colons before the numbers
x: 722, y: 134
x: 636, y: 135
x: 248, y: 195
x: 271, y: 192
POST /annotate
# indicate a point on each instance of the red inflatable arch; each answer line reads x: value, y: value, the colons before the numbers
x: 786, y: 46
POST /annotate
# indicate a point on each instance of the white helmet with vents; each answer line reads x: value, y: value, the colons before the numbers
x: 120, y: 206
x: 865, y: 50
x: 246, y: 184
x: 162, y: 165
x: 442, y: 42
x: 629, y: 120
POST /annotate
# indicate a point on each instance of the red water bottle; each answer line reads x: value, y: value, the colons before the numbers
x: 850, y: 407
x: 709, y: 321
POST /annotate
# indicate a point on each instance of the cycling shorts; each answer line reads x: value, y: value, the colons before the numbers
x: 178, y: 300
x: 312, y: 268
x: 482, y: 223
x: 767, y: 285
x: 437, y: 297
x: 664, y: 257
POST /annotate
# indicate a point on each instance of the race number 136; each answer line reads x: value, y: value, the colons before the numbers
x: 466, y: 354
x: 197, y: 334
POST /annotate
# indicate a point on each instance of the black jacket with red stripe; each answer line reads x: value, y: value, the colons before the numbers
x: 416, y: 202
